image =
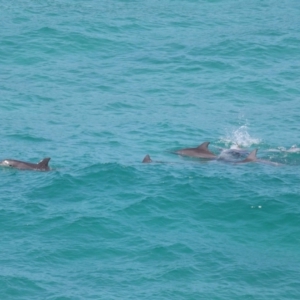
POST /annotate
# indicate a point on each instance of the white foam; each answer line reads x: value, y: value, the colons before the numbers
x: 293, y: 149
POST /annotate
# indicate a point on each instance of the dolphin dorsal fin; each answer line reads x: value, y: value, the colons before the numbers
x: 147, y: 159
x: 44, y: 162
x: 203, y: 147
x: 252, y: 156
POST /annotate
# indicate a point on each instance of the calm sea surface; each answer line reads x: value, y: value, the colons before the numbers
x: 97, y: 85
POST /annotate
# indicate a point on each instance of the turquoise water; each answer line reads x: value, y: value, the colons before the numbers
x: 98, y: 85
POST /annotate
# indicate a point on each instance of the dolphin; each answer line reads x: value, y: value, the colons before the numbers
x: 252, y: 158
x: 147, y: 160
x: 22, y: 165
x: 200, y: 152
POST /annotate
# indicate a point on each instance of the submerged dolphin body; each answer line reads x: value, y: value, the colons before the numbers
x: 234, y: 152
x: 200, y: 152
x: 22, y: 165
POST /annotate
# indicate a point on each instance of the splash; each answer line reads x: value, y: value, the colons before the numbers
x: 240, y: 138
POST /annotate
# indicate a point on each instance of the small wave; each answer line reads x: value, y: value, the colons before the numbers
x: 28, y: 137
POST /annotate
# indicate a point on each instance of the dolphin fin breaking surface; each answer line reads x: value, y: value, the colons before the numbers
x: 251, y: 157
x: 147, y: 159
x: 203, y: 147
x: 43, y: 164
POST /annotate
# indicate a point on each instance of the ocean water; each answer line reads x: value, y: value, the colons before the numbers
x: 97, y: 85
